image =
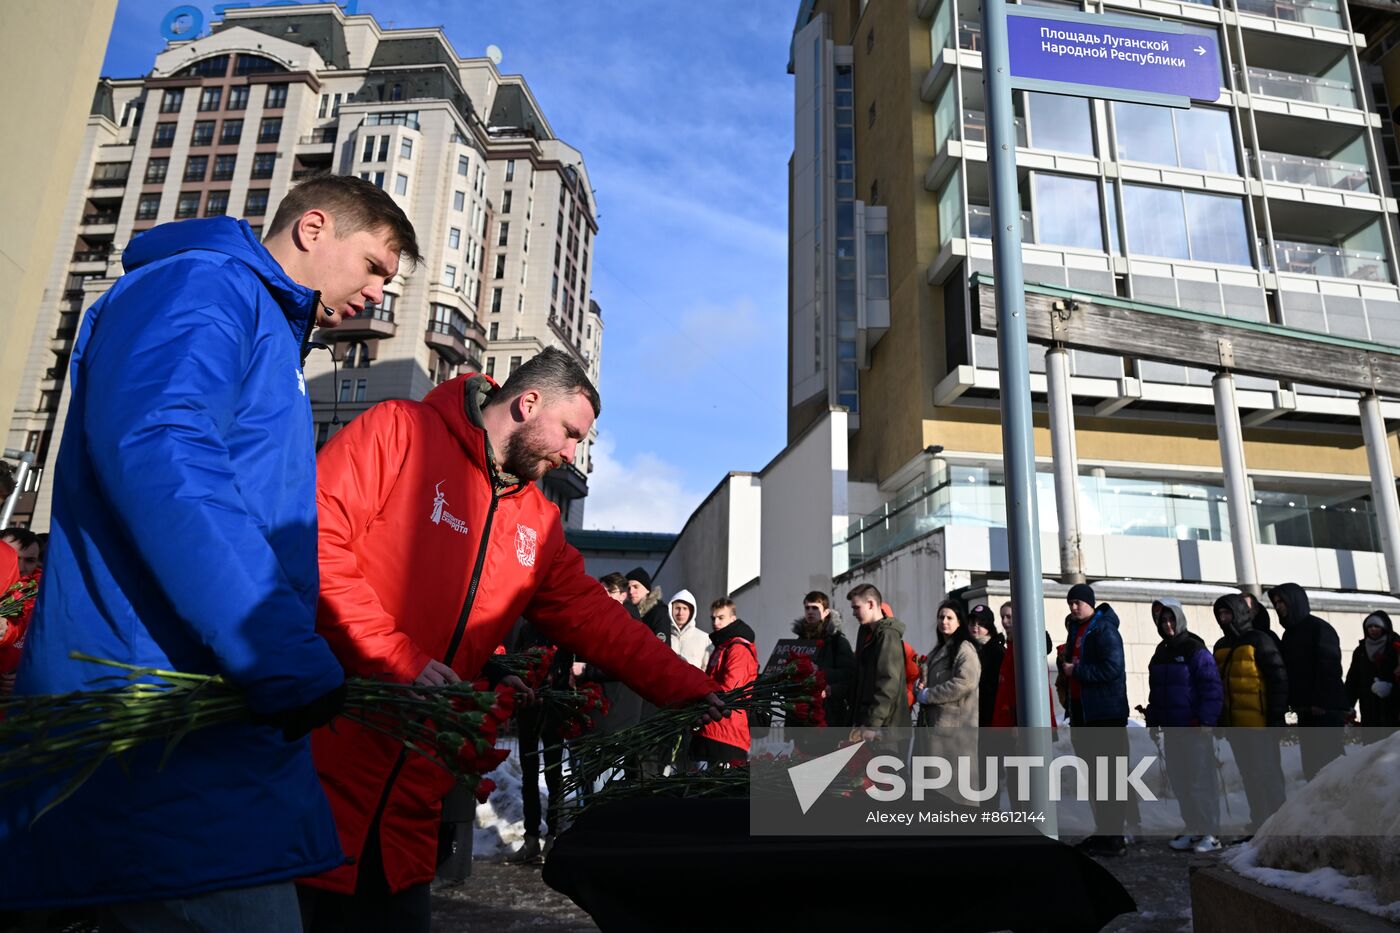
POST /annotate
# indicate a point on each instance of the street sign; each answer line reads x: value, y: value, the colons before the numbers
x: 1112, y: 58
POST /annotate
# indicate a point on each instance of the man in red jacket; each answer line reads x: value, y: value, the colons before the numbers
x: 733, y: 663
x: 434, y: 539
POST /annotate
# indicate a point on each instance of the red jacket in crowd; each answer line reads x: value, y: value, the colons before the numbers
x: 424, y: 555
x: 733, y: 663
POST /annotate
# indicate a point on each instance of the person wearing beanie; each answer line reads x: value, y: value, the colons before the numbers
x: 991, y: 647
x: 687, y: 640
x: 647, y: 600
x: 1093, y: 667
x: 1374, y: 675
x: 1184, y: 693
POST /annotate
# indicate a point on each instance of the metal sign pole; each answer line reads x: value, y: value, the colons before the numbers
x: 1017, y: 440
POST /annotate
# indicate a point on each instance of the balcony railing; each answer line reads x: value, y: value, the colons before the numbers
x: 1332, y: 261
x: 979, y: 223
x: 970, y: 35
x: 325, y: 134
x: 101, y: 217
x: 1313, y: 12
x: 1288, y: 86
x: 91, y: 255
x: 975, y: 128
x: 1319, y: 173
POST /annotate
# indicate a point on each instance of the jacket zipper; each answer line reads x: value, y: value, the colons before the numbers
x: 452, y: 646
x: 302, y: 349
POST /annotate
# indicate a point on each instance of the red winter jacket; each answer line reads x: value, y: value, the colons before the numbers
x: 733, y: 663
x: 423, y: 556
x: 1004, y: 713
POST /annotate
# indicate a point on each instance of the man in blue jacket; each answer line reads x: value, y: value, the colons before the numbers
x: 1098, y: 701
x: 184, y: 537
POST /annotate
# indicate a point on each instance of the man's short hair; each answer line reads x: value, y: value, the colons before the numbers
x: 21, y: 536
x: 554, y: 373
x: 613, y: 582
x: 864, y: 592
x: 724, y: 602
x: 355, y: 204
x: 818, y: 597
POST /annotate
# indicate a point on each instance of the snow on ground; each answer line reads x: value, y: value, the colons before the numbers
x: 1327, y: 884
x: 500, y: 821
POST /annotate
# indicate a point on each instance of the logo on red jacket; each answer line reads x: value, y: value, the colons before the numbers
x: 440, y: 515
x: 527, y: 542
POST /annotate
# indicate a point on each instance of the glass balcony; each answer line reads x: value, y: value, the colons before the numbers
x: 1288, y: 86
x: 1153, y: 508
x: 1313, y: 12
x: 970, y: 35
x: 979, y: 223
x: 975, y: 128
x: 1319, y: 173
x: 1331, y: 261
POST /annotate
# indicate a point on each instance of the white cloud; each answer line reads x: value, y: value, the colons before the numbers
x: 642, y: 494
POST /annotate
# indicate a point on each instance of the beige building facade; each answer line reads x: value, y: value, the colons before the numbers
x: 228, y: 122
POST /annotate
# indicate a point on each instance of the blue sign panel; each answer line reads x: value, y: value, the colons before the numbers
x: 1114, y: 58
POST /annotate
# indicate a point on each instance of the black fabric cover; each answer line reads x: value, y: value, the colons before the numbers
x: 619, y: 862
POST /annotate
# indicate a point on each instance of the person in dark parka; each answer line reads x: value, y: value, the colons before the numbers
x: 991, y: 647
x: 1255, y: 682
x: 1374, y: 675
x: 1184, y: 694
x: 879, y: 698
x: 834, y: 656
x: 1313, y: 655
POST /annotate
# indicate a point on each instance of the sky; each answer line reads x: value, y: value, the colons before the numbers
x: 683, y: 113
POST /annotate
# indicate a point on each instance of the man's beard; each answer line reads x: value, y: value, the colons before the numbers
x: 526, y: 456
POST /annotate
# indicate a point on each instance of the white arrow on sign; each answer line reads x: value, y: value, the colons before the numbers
x: 1199, y: 51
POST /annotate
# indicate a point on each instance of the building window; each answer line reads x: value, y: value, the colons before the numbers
x: 400, y: 184
x: 379, y: 179
x: 357, y: 355
x: 263, y: 164
x: 335, y: 105
x: 510, y: 170
x: 196, y: 167
x: 1204, y: 139
x: 1186, y: 225
x: 213, y: 67
x: 216, y: 204
x: 353, y: 390
x: 209, y: 98
x: 237, y: 98
x: 325, y: 105
x: 155, y: 171
x: 504, y: 237
x: 500, y: 267
x: 270, y: 130
x: 231, y: 133
x: 368, y: 154
x: 454, y: 238
x: 462, y: 164
x: 256, y: 205
x: 1067, y: 211
x: 323, y: 431
x: 554, y: 288
x: 495, y: 329
x: 505, y: 203
x: 459, y: 200
x: 514, y: 363
x: 224, y: 166
x: 276, y: 97
x: 383, y: 148
x: 203, y: 133
x: 491, y: 366
x: 164, y: 137
x: 188, y: 205
x: 495, y: 301
x: 171, y: 100
x: 449, y: 276
x: 405, y: 148
x: 147, y: 207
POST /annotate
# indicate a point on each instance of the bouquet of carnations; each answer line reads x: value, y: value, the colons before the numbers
x: 454, y: 726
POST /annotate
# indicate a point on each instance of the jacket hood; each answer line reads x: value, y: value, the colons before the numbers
x: 1377, y: 616
x: 233, y: 238
x: 1178, y: 614
x: 829, y: 629
x: 1241, y: 621
x: 736, y: 629
x: 650, y: 601
x: 687, y: 597
x: 458, y: 402
x: 893, y: 624
x: 1104, y: 613
x: 1296, y: 599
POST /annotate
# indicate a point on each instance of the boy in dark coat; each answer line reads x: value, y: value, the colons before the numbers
x: 1313, y: 655
x: 834, y: 656
x: 1184, y: 694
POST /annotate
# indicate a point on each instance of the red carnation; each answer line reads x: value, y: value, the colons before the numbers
x: 484, y: 789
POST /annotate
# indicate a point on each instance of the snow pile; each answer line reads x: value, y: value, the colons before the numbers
x: 500, y: 821
x: 1338, y: 837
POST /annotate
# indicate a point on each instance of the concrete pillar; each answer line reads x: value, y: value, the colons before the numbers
x: 1227, y: 425
x: 1065, y: 462
x: 1382, y: 486
x: 1098, y: 473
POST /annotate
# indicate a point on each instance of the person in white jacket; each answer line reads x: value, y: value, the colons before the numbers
x: 687, y: 640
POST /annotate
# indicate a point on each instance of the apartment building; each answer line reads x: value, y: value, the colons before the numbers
x: 227, y: 123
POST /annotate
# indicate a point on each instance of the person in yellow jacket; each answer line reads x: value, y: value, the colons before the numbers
x: 1256, y: 697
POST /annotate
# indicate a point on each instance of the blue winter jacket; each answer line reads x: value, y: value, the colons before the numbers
x: 184, y: 537
x: 1100, y: 671
x: 1183, y: 684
